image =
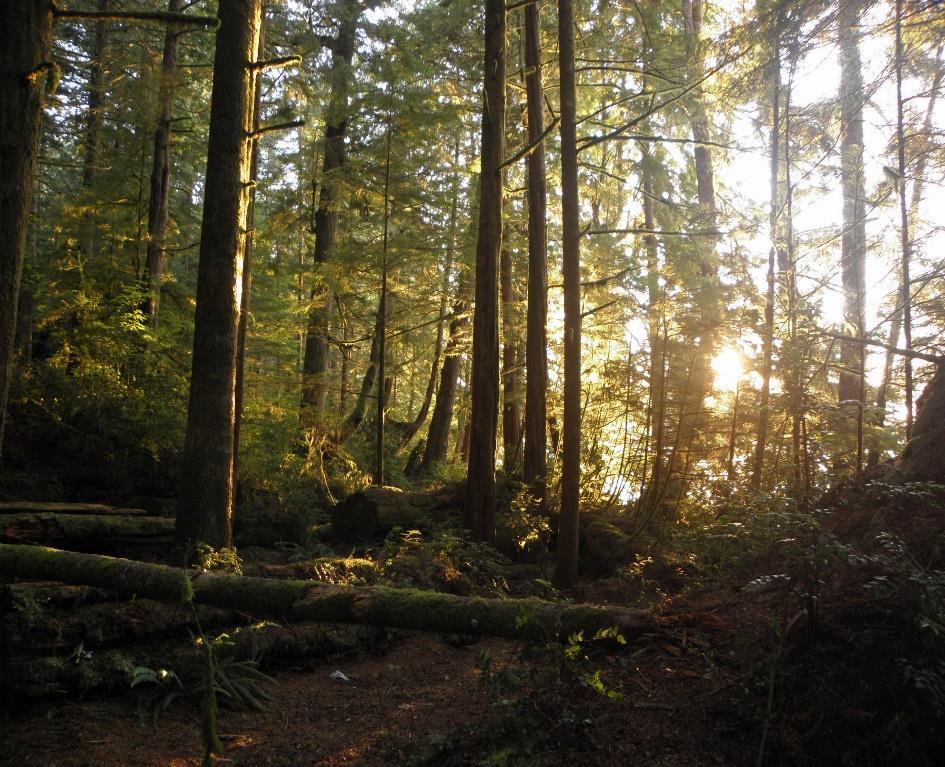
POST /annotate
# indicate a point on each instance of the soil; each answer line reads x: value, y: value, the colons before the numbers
x: 423, y: 702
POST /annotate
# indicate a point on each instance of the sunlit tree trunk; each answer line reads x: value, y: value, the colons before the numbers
x: 764, y: 410
x: 93, y: 131
x: 853, y: 240
x: 161, y: 171
x: 25, y: 41
x: 535, y: 467
x: 707, y: 291
x: 315, y: 364
x: 205, y: 507
x: 247, y: 271
x: 567, y: 560
x: 480, y: 486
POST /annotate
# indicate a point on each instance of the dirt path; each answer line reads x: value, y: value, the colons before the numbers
x: 421, y: 686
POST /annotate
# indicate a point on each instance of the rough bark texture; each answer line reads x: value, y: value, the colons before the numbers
x: 160, y: 192
x: 25, y: 39
x: 535, y: 466
x: 511, y: 405
x: 315, y: 363
x: 480, y: 488
x: 205, y: 508
x: 531, y: 619
x: 246, y: 277
x: 566, y: 569
x: 924, y: 455
x: 853, y: 240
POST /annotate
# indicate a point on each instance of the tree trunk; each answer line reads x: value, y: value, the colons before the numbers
x: 480, y: 488
x: 853, y: 240
x: 412, y: 429
x: 707, y: 292
x: 205, y: 508
x: 566, y: 569
x: 535, y: 468
x: 764, y: 414
x: 315, y: 363
x: 297, y: 600
x: 25, y: 40
x: 246, y: 277
x: 161, y: 171
x: 438, y: 436
x: 359, y: 411
x: 382, y: 326
x: 511, y: 409
x: 93, y: 131
x: 924, y: 456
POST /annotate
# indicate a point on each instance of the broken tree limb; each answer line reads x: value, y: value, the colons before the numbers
x: 295, y: 600
x: 85, y: 531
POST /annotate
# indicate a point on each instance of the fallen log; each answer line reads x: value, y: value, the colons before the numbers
x: 106, y: 624
x: 91, y: 532
x: 375, y: 511
x: 43, y: 507
x: 297, y: 600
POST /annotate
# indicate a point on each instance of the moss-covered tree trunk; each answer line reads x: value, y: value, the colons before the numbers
x: 25, y: 39
x: 296, y: 600
x: 205, y: 508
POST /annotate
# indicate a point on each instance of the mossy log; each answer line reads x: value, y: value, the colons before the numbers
x: 32, y: 631
x: 297, y: 600
x: 86, y: 532
x: 43, y: 507
x: 375, y: 511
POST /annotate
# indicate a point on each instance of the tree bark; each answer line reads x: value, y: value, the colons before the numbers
x: 315, y: 363
x: 297, y: 600
x: 924, y: 455
x: 205, y: 507
x: 160, y: 194
x: 853, y: 240
x: 480, y: 488
x: 438, y: 435
x: 566, y: 568
x: 511, y: 408
x: 93, y: 131
x: 767, y: 354
x: 25, y: 41
x: 535, y: 468
x: 246, y: 276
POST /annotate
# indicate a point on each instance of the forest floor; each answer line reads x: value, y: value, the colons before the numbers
x: 432, y: 700
x: 817, y: 647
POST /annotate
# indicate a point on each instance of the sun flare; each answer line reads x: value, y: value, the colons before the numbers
x: 728, y: 367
